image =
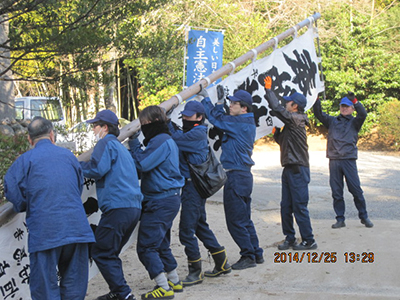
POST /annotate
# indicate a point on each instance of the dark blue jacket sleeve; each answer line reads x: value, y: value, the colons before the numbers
x: 99, y: 163
x: 15, y: 185
x: 217, y: 116
x: 324, y: 118
x: 151, y: 157
x: 361, y: 115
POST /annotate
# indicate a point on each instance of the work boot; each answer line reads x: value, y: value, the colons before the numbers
x: 306, y: 245
x: 221, y: 264
x: 287, y: 244
x: 195, y: 275
x: 259, y: 259
x: 367, y: 222
x: 339, y: 224
x: 243, y: 263
x: 109, y: 296
x: 112, y: 296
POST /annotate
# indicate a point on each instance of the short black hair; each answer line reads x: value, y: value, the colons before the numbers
x: 39, y: 127
x: 244, y: 104
x: 300, y: 109
x: 112, y: 128
x: 201, y: 115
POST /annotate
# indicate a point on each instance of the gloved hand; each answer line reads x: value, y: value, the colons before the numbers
x: 352, y: 97
x: 220, y: 94
x: 203, y: 92
x: 276, y: 130
x: 268, y: 82
x: 135, y: 135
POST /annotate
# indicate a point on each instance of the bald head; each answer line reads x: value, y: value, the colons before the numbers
x: 39, y: 128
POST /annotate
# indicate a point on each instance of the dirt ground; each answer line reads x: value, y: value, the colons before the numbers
x: 326, y: 273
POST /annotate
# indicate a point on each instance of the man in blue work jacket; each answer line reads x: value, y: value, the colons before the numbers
x: 47, y: 183
x: 239, y: 130
x: 120, y: 201
x: 342, y: 153
x: 193, y: 148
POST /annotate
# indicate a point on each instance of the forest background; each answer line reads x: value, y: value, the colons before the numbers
x: 126, y: 54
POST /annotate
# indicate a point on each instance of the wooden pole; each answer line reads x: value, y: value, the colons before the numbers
x: 134, y: 126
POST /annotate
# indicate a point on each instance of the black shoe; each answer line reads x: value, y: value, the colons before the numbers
x: 112, y: 296
x: 259, y: 259
x: 243, y: 263
x: 109, y: 296
x: 367, y: 222
x: 304, y: 245
x: 339, y: 224
x: 287, y: 245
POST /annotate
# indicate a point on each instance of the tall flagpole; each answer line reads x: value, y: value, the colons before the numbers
x: 175, y: 100
x: 187, y: 29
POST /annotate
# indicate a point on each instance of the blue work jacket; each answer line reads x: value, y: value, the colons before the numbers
x: 159, y: 166
x: 342, y: 131
x: 117, y: 182
x: 47, y: 182
x: 193, y: 146
x: 238, y: 139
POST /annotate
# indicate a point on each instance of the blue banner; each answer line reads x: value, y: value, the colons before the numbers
x: 204, y: 55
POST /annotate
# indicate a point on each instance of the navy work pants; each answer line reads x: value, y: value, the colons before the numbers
x: 295, y: 201
x: 346, y: 168
x: 154, y: 237
x: 72, y: 261
x: 237, y: 206
x: 194, y: 222
x: 112, y: 233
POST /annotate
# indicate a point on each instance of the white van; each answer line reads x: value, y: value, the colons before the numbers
x: 46, y: 107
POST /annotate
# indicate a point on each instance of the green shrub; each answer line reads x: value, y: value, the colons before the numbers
x: 161, y: 96
x: 389, y: 121
x: 10, y: 149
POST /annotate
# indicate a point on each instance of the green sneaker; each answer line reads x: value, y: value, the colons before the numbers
x: 176, y: 287
x: 159, y: 293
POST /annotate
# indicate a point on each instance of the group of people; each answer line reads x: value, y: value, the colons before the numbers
x: 47, y: 181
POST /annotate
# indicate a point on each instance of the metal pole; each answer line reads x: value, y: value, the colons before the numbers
x: 319, y: 56
x: 187, y: 28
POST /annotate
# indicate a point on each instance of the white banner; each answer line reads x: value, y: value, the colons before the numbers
x: 292, y: 68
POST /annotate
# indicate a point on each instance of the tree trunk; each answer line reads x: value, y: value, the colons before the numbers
x: 7, y: 109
